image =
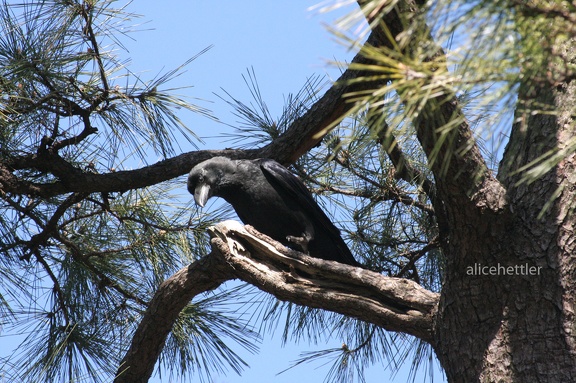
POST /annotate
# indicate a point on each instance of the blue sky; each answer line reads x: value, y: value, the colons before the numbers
x: 285, y: 43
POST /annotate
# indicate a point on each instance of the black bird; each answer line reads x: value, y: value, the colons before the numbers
x: 274, y: 201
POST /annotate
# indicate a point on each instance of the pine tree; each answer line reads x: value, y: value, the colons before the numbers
x: 105, y: 273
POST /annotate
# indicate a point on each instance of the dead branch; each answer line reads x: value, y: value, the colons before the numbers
x: 241, y: 252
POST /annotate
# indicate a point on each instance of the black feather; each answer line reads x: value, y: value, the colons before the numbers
x: 269, y: 197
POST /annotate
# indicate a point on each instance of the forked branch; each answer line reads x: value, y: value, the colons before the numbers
x: 241, y: 252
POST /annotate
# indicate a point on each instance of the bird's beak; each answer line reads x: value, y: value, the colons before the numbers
x: 201, y: 194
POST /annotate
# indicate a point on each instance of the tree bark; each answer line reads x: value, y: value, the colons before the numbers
x: 241, y: 252
x: 517, y: 326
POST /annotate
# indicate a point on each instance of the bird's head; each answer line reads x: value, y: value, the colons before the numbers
x: 205, y: 179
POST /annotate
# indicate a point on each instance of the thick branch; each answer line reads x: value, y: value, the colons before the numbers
x: 392, y: 303
x: 241, y: 252
x: 460, y: 171
x: 170, y: 299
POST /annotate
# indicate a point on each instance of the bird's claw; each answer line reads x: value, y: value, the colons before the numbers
x: 302, y: 241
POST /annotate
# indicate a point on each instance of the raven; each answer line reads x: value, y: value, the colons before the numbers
x: 274, y: 201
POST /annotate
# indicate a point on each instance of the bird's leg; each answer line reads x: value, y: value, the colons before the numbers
x: 302, y: 241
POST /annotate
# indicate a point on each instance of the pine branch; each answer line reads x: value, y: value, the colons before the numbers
x: 86, y: 12
x: 308, y: 130
x: 49, y: 229
x: 103, y: 280
x: 301, y: 136
x: 395, y: 304
x: 414, y: 256
x: 403, y: 168
x: 56, y: 288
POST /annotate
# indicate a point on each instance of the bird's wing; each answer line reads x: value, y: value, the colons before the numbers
x: 281, y: 177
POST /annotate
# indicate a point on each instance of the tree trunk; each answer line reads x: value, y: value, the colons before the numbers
x: 506, y: 311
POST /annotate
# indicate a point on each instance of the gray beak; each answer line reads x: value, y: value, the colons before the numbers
x: 201, y: 194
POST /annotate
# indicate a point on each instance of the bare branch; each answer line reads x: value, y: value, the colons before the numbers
x: 395, y: 304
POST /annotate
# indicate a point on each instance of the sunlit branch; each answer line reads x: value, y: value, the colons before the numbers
x: 386, y: 302
x: 241, y: 252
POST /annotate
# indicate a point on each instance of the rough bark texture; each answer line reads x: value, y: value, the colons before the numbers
x: 241, y: 252
x: 539, y: 310
x: 393, y: 303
